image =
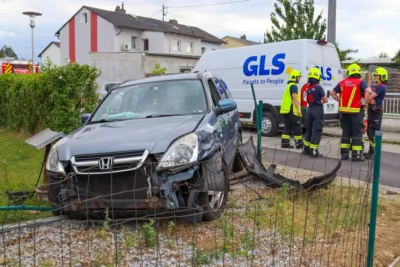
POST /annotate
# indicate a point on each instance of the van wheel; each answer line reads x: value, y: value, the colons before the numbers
x: 269, y: 126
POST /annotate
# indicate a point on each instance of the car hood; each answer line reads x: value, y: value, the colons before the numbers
x: 154, y: 134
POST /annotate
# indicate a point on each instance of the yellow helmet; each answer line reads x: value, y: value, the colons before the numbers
x: 315, y: 73
x: 294, y: 74
x: 353, y: 69
x: 382, y: 73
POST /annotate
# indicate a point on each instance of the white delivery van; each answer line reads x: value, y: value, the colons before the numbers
x: 268, y: 66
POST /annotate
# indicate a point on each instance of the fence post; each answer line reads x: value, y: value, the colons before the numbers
x: 374, y: 198
x: 259, y: 130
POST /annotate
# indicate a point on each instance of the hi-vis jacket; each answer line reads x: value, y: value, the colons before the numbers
x: 350, y: 95
x: 287, y: 102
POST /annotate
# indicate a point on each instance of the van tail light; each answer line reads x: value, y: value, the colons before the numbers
x: 322, y: 42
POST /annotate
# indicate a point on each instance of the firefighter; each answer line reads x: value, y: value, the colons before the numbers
x: 350, y: 92
x: 374, y: 111
x: 290, y: 108
x: 315, y: 96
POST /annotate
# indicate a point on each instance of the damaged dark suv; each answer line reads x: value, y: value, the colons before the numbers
x: 152, y: 146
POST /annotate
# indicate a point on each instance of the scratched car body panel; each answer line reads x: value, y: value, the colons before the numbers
x: 160, y: 144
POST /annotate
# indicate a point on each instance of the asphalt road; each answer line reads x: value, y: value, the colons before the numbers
x: 389, y: 173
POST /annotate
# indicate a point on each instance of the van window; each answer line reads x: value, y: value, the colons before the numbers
x: 221, y: 88
x: 214, y: 93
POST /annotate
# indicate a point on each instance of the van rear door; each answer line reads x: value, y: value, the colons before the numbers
x: 325, y: 58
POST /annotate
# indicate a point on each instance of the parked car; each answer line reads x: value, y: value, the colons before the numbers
x: 159, y: 144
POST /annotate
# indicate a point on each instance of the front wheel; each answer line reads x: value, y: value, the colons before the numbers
x: 213, y: 202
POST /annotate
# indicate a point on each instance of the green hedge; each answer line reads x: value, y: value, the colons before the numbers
x: 53, y: 99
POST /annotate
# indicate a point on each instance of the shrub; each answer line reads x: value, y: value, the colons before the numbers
x: 54, y: 99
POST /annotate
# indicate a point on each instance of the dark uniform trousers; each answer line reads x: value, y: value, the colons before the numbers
x: 292, y: 124
x: 351, y: 135
x: 314, y: 125
x: 374, y: 118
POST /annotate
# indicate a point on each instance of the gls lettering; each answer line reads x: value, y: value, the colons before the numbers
x: 328, y: 73
x: 259, y: 67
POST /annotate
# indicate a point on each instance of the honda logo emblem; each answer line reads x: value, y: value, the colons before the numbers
x: 105, y: 163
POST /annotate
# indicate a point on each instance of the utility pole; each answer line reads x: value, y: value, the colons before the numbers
x: 332, y: 21
x: 164, y: 11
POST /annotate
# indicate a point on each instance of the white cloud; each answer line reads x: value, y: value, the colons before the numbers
x: 6, y: 34
x: 360, y: 25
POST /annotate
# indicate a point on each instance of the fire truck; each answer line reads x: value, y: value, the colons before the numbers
x: 17, y: 66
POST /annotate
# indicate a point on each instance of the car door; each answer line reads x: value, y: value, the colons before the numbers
x: 227, y: 135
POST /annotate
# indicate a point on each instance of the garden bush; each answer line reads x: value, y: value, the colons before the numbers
x: 54, y: 98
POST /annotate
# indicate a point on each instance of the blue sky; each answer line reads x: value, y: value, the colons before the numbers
x: 360, y: 25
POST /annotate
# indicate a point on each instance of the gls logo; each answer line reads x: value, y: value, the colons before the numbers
x: 259, y: 67
x: 328, y: 73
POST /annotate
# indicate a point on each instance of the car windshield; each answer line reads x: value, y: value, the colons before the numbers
x: 156, y: 99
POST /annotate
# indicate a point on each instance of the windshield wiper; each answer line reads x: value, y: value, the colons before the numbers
x: 162, y: 115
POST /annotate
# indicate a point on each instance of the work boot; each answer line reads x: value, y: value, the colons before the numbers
x: 299, y: 144
x: 370, y: 153
x: 315, y: 154
x: 285, y: 143
x: 345, y: 156
x: 306, y: 150
x: 357, y: 156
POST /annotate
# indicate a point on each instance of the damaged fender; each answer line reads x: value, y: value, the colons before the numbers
x: 254, y: 166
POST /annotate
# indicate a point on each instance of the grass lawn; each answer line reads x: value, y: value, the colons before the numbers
x: 19, y: 170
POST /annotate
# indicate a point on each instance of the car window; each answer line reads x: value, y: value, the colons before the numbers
x: 221, y: 88
x: 226, y: 88
x: 216, y: 97
x: 157, y: 98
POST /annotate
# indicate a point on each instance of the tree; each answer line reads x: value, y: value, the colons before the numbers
x: 7, y: 51
x: 383, y: 55
x: 396, y: 58
x: 158, y: 70
x: 295, y: 20
x: 345, y: 54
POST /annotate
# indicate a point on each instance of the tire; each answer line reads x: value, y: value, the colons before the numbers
x: 269, y: 125
x: 211, y: 213
x: 52, y: 194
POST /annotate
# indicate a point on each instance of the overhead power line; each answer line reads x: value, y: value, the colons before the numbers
x: 215, y: 4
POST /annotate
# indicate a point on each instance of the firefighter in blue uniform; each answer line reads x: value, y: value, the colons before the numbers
x: 374, y: 112
x: 315, y: 97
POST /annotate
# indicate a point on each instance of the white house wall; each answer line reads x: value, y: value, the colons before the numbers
x: 53, y: 53
x: 156, y: 41
x: 168, y: 43
x: 105, y: 35
x: 64, y: 45
x: 117, y: 67
x: 82, y: 42
x: 123, y: 36
x: 210, y: 46
x: 173, y: 64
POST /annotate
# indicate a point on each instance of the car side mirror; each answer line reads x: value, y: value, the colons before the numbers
x: 85, y: 117
x: 225, y: 106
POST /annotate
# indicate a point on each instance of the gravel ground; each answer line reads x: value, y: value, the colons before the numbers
x: 80, y: 244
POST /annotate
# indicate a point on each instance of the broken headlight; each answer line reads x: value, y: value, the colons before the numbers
x: 53, y: 164
x: 182, y: 152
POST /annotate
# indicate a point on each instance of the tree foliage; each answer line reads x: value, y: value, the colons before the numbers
x: 54, y: 98
x: 158, y: 70
x: 7, y: 51
x: 345, y: 54
x: 295, y: 20
x: 396, y: 58
x: 383, y: 55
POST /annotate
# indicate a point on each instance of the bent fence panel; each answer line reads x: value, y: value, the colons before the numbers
x: 117, y: 219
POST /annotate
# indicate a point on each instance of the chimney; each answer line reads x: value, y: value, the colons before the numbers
x: 243, y: 37
x: 173, y: 21
x: 121, y: 9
